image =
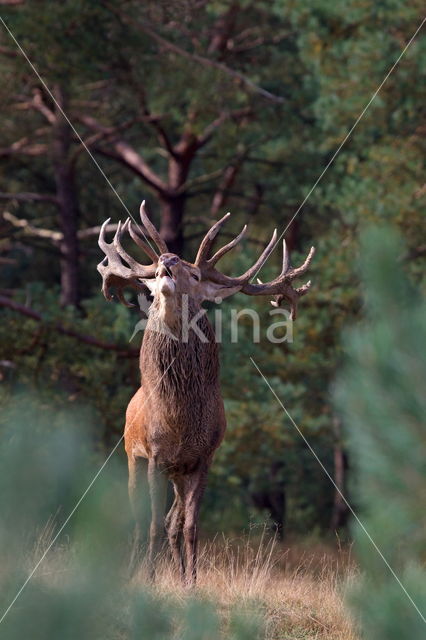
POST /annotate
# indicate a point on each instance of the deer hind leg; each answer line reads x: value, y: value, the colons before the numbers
x: 174, y: 526
x: 139, y: 502
x: 194, y: 488
x: 158, y: 489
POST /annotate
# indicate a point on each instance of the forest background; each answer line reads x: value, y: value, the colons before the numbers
x: 204, y: 107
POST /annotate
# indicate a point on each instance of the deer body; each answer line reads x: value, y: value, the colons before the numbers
x: 176, y: 420
x: 177, y: 415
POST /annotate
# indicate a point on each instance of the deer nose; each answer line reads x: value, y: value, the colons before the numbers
x: 168, y: 261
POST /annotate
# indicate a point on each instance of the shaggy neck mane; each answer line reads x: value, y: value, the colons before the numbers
x: 173, y: 367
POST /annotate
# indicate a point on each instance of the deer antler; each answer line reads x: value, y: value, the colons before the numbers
x: 118, y: 269
x: 152, y: 230
x: 280, y: 287
x: 207, y: 266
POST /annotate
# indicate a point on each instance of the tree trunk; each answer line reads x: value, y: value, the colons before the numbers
x: 273, y: 498
x: 171, y: 230
x: 340, y: 510
x: 173, y: 201
x: 292, y: 235
x: 68, y: 207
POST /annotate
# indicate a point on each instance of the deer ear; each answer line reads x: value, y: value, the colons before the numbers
x: 212, y: 291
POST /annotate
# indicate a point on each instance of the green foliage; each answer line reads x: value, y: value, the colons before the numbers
x: 325, y: 59
x: 80, y: 587
x: 65, y: 371
x: 382, y: 397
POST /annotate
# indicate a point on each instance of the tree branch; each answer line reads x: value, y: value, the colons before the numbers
x: 155, y: 122
x: 23, y: 146
x: 164, y: 138
x: 228, y: 179
x: 205, y: 62
x: 127, y: 155
x: 38, y: 103
x: 205, y: 177
x: 86, y: 339
x: 54, y: 236
x: 102, y: 134
x: 28, y: 228
x: 29, y: 197
x: 225, y: 115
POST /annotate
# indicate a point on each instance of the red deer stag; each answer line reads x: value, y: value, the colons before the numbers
x: 176, y: 420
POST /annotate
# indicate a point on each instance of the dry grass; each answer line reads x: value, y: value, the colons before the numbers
x: 298, y: 589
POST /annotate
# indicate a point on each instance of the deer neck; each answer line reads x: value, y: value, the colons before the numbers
x: 169, y: 312
x: 168, y: 309
x: 181, y: 362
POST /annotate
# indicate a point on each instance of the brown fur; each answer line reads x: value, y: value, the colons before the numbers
x: 176, y: 421
x: 177, y: 415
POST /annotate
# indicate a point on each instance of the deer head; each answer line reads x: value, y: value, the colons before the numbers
x: 169, y: 277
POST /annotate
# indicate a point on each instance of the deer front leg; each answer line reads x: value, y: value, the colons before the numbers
x: 194, y: 489
x: 174, y: 526
x: 139, y: 502
x: 158, y: 490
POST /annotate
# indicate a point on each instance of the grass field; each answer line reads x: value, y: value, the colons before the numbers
x: 298, y: 589
x: 293, y: 590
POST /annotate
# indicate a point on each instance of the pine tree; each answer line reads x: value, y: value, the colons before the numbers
x: 382, y: 397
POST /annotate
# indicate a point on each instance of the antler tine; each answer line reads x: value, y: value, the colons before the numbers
x: 294, y: 273
x: 102, y: 269
x: 220, y: 278
x: 286, y: 258
x: 104, y: 245
x: 110, y: 248
x: 281, y: 288
x: 217, y: 256
x: 133, y: 264
x: 206, y: 244
x: 303, y: 290
x: 261, y: 260
x: 152, y: 230
x: 138, y: 240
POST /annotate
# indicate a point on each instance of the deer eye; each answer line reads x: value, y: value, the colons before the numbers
x: 195, y: 276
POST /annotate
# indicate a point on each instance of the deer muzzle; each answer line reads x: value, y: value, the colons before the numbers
x: 165, y: 276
